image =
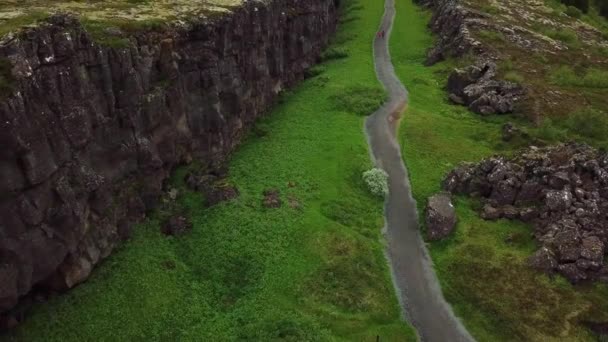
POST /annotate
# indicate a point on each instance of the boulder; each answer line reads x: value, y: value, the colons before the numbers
x: 543, y: 260
x: 440, y: 216
x: 558, y: 200
x: 571, y: 272
x: 592, y: 248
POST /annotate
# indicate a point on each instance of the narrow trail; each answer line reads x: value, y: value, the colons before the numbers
x: 417, y: 286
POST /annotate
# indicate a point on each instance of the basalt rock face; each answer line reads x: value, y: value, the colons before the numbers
x: 90, y: 133
x: 562, y: 190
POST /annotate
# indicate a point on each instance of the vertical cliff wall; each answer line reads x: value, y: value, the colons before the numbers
x: 89, y: 133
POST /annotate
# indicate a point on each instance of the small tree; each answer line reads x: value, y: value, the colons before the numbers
x: 377, y: 181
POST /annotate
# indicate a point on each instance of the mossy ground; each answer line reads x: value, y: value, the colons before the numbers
x: 127, y: 15
x: 564, y: 72
x: 482, y: 266
x: 316, y: 272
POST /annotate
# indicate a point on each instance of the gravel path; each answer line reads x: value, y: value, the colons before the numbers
x: 413, y: 276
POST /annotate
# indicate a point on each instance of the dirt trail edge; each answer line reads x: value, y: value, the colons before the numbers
x: 416, y: 284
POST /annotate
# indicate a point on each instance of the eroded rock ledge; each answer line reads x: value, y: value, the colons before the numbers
x: 562, y: 190
x: 90, y: 133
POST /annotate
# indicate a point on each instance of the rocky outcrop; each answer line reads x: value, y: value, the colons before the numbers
x: 476, y: 87
x: 450, y: 22
x: 90, y: 133
x: 562, y: 190
x: 440, y: 216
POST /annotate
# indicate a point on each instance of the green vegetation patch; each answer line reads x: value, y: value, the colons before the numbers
x: 482, y: 266
x: 359, y: 99
x: 311, y: 270
x: 591, y: 78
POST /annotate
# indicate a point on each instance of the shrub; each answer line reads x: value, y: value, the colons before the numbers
x: 574, y: 12
x: 588, y: 123
x: 360, y: 100
x: 513, y: 76
x: 591, y: 78
x: 492, y: 36
x: 315, y: 71
x: 377, y: 181
x: 567, y: 36
x: 490, y: 9
x: 334, y: 53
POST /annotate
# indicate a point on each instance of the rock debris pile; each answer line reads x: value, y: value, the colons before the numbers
x: 562, y: 190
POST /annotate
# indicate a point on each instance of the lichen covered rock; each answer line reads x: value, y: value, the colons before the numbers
x: 440, y: 216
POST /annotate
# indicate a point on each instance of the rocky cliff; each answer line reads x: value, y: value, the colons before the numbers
x: 89, y: 133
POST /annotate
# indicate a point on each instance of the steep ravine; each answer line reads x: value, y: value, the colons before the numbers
x: 90, y: 133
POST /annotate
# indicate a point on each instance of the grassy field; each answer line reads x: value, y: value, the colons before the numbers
x: 482, y: 266
x: 311, y: 270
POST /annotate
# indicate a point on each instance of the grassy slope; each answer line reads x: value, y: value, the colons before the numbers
x: 482, y: 266
x: 245, y: 272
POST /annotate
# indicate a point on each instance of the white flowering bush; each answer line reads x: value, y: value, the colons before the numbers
x: 377, y: 181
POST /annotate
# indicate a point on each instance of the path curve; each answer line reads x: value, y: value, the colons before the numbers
x: 416, y: 284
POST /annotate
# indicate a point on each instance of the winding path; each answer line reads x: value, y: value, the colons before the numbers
x: 417, y: 286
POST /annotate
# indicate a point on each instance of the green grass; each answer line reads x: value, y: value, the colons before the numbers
x: 17, y: 22
x: 491, y: 36
x: 587, y: 125
x: 566, y: 35
x: 481, y: 267
x: 591, y: 78
x: 250, y: 273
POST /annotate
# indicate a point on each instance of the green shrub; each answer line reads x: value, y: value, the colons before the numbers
x: 492, y: 36
x: 587, y: 123
x: 360, y: 100
x: 513, y: 76
x: 377, y: 181
x: 315, y: 71
x: 574, y: 12
x: 549, y: 132
x: 490, y: 9
x: 591, y: 78
x: 334, y: 53
x: 567, y: 36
